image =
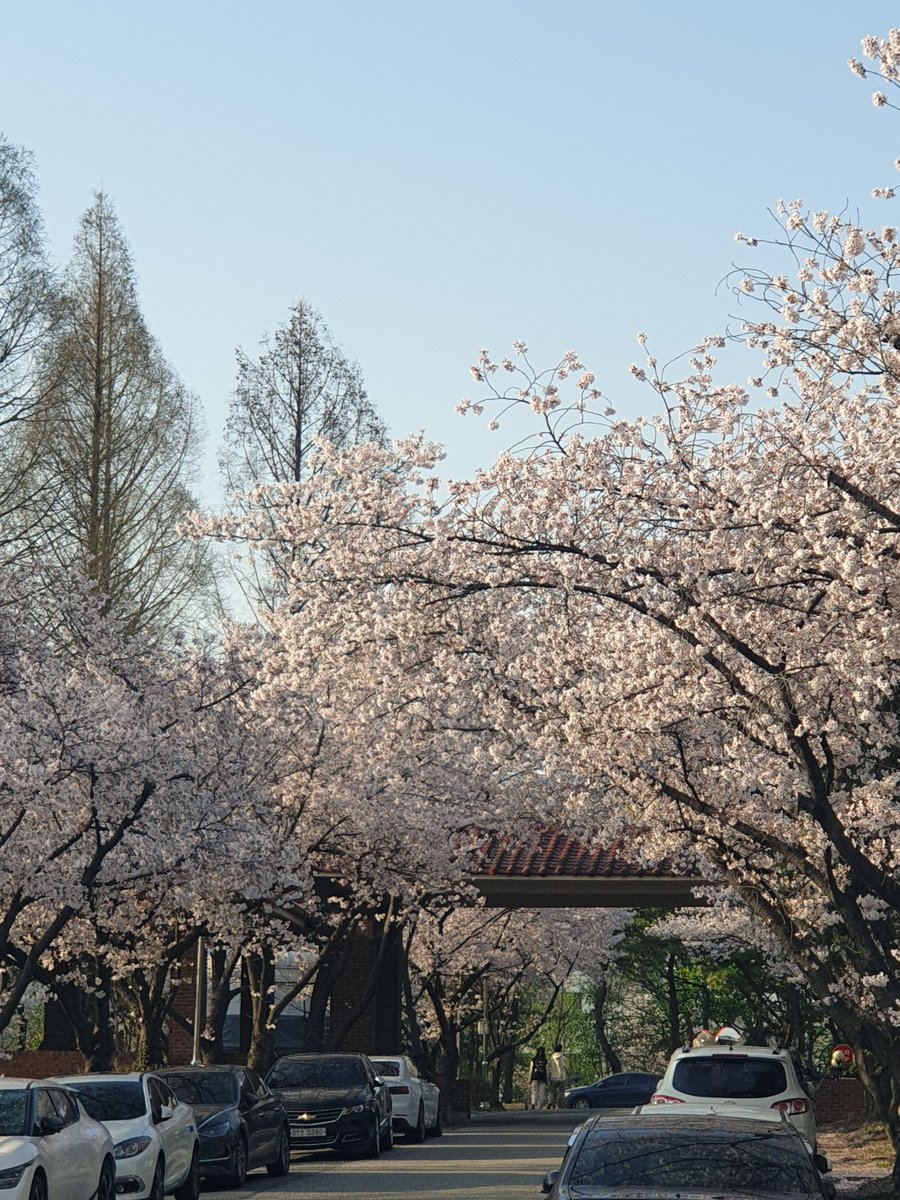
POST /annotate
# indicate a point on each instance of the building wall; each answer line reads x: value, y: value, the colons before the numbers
x: 842, y: 1100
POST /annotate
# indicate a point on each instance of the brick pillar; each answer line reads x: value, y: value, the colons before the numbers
x: 377, y: 1029
x: 184, y: 994
x: 58, y: 1031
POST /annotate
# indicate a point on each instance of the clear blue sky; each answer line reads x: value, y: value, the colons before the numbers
x: 439, y: 177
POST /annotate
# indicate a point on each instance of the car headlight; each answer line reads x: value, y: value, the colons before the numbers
x: 356, y: 1108
x: 220, y: 1129
x: 11, y: 1176
x: 132, y: 1146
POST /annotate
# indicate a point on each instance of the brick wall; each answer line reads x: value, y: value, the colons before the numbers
x: 842, y: 1100
x: 42, y: 1064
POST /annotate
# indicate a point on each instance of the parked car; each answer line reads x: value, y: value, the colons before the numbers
x: 241, y: 1124
x: 622, y: 1090
x: 416, y: 1101
x: 50, y: 1148
x: 334, y: 1102
x: 157, y: 1149
x: 672, y: 1155
x: 760, y: 1076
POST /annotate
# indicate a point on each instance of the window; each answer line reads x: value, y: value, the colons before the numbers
x: 730, y: 1076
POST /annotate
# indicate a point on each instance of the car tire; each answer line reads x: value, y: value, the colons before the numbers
x: 106, y: 1185
x: 437, y: 1129
x: 158, y: 1186
x: 38, y: 1188
x: 282, y: 1164
x: 416, y: 1132
x: 373, y: 1150
x: 237, y: 1176
x: 580, y: 1102
x: 387, y: 1139
x: 190, y: 1189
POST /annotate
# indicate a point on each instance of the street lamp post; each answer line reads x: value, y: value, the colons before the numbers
x: 199, y: 999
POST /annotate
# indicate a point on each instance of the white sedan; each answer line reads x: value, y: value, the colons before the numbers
x: 417, y: 1103
x: 50, y: 1149
x: 156, y: 1144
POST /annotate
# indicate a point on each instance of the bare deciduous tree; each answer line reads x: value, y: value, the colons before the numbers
x: 300, y: 388
x: 114, y: 433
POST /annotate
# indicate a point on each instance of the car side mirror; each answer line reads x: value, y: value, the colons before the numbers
x: 164, y: 1113
x: 249, y: 1099
x: 822, y: 1163
x: 378, y: 1083
x: 548, y: 1182
x: 50, y: 1125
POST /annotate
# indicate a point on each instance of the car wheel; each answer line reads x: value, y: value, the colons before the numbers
x: 373, y: 1150
x: 237, y: 1176
x: 158, y: 1186
x: 580, y: 1102
x: 106, y: 1187
x: 282, y: 1163
x: 437, y: 1129
x: 417, y: 1133
x: 190, y: 1189
x: 38, y: 1188
x: 387, y: 1140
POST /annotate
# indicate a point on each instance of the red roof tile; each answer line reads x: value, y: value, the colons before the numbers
x: 552, y: 853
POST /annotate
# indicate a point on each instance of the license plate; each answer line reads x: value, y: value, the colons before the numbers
x: 307, y: 1131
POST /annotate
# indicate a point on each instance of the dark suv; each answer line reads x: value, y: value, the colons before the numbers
x: 334, y: 1102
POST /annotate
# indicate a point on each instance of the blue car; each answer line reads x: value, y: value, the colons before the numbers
x: 627, y: 1089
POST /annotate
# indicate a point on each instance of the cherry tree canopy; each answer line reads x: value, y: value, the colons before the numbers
x: 684, y: 625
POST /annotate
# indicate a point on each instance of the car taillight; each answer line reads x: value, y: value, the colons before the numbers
x: 792, y: 1108
x: 399, y: 1091
x: 662, y: 1098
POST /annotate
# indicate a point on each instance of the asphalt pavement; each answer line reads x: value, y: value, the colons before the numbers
x: 492, y: 1156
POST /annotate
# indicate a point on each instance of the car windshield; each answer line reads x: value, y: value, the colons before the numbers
x: 111, y: 1100
x: 320, y: 1073
x: 385, y: 1067
x: 755, y: 1164
x: 730, y: 1076
x: 13, y: 1111
x: 212, y: 1087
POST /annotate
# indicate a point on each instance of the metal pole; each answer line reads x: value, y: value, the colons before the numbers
x: 199, y: 999
x: 484, y: 1032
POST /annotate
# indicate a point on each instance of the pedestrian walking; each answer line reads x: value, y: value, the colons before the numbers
x: 556, y: 1074
x: 537, y: 1078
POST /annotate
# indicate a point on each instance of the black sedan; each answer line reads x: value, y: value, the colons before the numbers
x: 667, y: 1155
x: 334, y: 1102
x: 626, y: 1089
x: 240, y: 1123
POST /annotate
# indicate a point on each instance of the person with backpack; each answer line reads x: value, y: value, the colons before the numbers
x: 537, y: 1078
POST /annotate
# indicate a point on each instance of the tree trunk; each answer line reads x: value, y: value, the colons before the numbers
x: 601, y: 993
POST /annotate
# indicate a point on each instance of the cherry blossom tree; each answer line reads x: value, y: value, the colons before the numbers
x: 683, y: 626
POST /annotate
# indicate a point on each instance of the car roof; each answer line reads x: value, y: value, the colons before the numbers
x: 712, y: 1108
x: 204, y: 1069
x: 697, y: 1122
x: 323, y: 1057
x: 9, y: 1082
x: 724, y: 1049
x: 99, y: 1077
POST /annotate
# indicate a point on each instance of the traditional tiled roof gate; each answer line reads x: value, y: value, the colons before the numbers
x: 550, y: 869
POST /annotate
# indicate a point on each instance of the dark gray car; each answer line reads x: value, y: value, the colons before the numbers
x: 667, y: 1156
x: 334, y: 1102
x: 626, y: 1089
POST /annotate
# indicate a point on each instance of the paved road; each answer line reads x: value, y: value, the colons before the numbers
x: 495, y: 1156
x: 492, y: 1157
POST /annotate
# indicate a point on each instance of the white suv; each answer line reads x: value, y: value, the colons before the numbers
x: 757, y: 1076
